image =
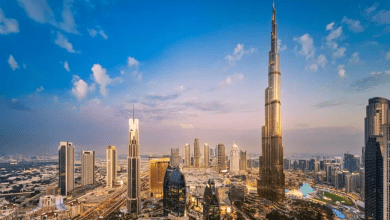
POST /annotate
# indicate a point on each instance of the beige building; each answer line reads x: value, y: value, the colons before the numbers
x: 206, y: 154
x: 187, y: 155
x: 196, y: 153
x: 157, y: 168
x: 87, y: 167
x: 111, y: 166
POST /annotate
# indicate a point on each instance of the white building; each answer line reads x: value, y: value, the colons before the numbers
x: 234, y: 160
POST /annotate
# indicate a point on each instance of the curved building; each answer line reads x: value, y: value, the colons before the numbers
x: 174, y: 189
x: 211, y: 204
x: 271, y: 179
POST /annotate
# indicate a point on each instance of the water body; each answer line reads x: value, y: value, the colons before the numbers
x: 338, y: 213
x: 304, y: 189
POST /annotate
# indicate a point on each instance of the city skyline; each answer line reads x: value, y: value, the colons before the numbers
x: 211, y: 90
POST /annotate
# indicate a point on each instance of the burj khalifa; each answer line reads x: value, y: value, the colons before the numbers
x: 270, y: 184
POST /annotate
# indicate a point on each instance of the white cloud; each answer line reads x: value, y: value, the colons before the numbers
x: 388, y: 55
x: 339, y: 53
x: 24, y: 66
x: 40, y: 89
x: 382, y: 17
x: 307, y: 46
x: 14, y: 100
x: 355, y: 58
x: 238, y: 52
x: 341, y: 70
x: 8, y: 25
x: 372, y: 8
x: 38, y: 11
x: 103, y: 34
x: 92, y: 32
x: 231, y: 79
x: 63, y: 42
x: 66, y: 66
x: 313, y: 67
x: 322, y: 60
x: 55, y: 98
x: 103, y: 79
x: 353, y: 25
x: 12, y: 63
x: 80, y: 88
x: 334, y: 34
x: 329, y: 26
x: 132, y: 62
x: 68, y: 24
x: 380, y: 72
x: 281, y: 47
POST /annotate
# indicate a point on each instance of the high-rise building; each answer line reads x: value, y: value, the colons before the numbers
x: 212, y: 152
x: 174, y: 190
x: 221, y: 157
x: 211, y: 204
x: 376, y: 155
x: 302, y: 165
x: 348, y: 183
x: 187, y: 155
x: 133, y: 169
x: 87, y: 167
x: 196, y: 153
x: 111, y: 161
x: 66, y: 167
x: 339, y: 183
x: 351, y: 162
x: 157, y: 169
x: 271, y: 179
x: 234, y: 160
x: 175, y: 157
x: 206, y: 155
x: 243, y: 162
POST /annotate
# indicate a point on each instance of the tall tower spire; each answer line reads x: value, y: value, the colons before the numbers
x: 271, y: 178
x: 133, y: 168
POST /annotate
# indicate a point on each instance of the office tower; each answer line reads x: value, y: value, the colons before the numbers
x: 316, y: 167
x: 175, y: 157
x: 328, y: 170
x: 206, y: 151
x: 212, y: 152
x: 174, y: 190
x: 210, y: 198
x: 376, y: 154
x: 111, y: 161
x: 196, y: 153
x: 348, y: 183
x: 271, y: 179
x: 157, y: 169
x: 312, y: 164
x: 339, y: 180
x: 362, y: 182
x: 221, y: 157
x: 187, y: 155
x: 302, y: 165
x: 243, y: 160
x: 234, y: 160
x: 87, y: 167
x: 362, y: 159
x: 351, y: 162
x: 250, y: 163
x: 286, y: 164
x: 133, y: 169
x: 66, y: 167
x: 355, y: 181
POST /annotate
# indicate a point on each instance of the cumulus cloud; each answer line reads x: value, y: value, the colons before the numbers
x: 382, y: 17
x: 388, y: 55
x: 353, y: 25
x: 103, y: 34
x: 101, y: 77
x: 341, y: 70
x: 313, y: 67
x: 329, y: 26
x: 68, y: 24
x: 339, y: 52
x: 12, y: 63
x: 230, y: 80
x: 320, y: 62
x: 333, y: 35
x: 238, y: 52
x: 281, y: 47
x: 80, y: 88
x: 307, y: 46
x: 66, y: 66
x: 94, y: 32
x: 132, y: 62
x: 63, y: 42
x: 8, y: 25
x: 355, y: 58
x: 40, y: 89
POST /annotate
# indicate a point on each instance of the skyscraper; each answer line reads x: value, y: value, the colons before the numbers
x: 206, y: 151
x: 243, y: 163
x: 66, y: 167
x: 133, y: 169
x: 376, y: 155
x: 211, y: 204
x: 187, y: 155
x: 234, y: 160
x: 196, y: 153
x: 174, y: 189
x: 221, y: 157
x: 111, y: 166
x: 175, y: 157
x: 271, y: 179
x: 87, y: 167
x: 351, y: 162
x: 157, y: 169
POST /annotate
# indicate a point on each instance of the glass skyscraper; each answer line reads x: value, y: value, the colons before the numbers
x: 66, y: 167
x: 174, y: 189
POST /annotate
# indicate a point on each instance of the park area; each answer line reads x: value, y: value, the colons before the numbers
x: 333, y: 199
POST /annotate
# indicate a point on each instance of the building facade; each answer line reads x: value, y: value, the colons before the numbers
x: 87, y: 167
x: 206, y: 157
x: 157, y: 169
x: 187, y: 155
x: 111, y: 161
x: 66, y: 167
x: 196, y: 153
x: 234, y: 160
x: 221, y: 157
x: 175, y: 157
x: 133, y: 169
x: 211, y: 204
x: 271, y: 179
x: 243, y: 163
x: 174, y: 192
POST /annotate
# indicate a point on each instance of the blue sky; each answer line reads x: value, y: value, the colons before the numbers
x: 71, y: 70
